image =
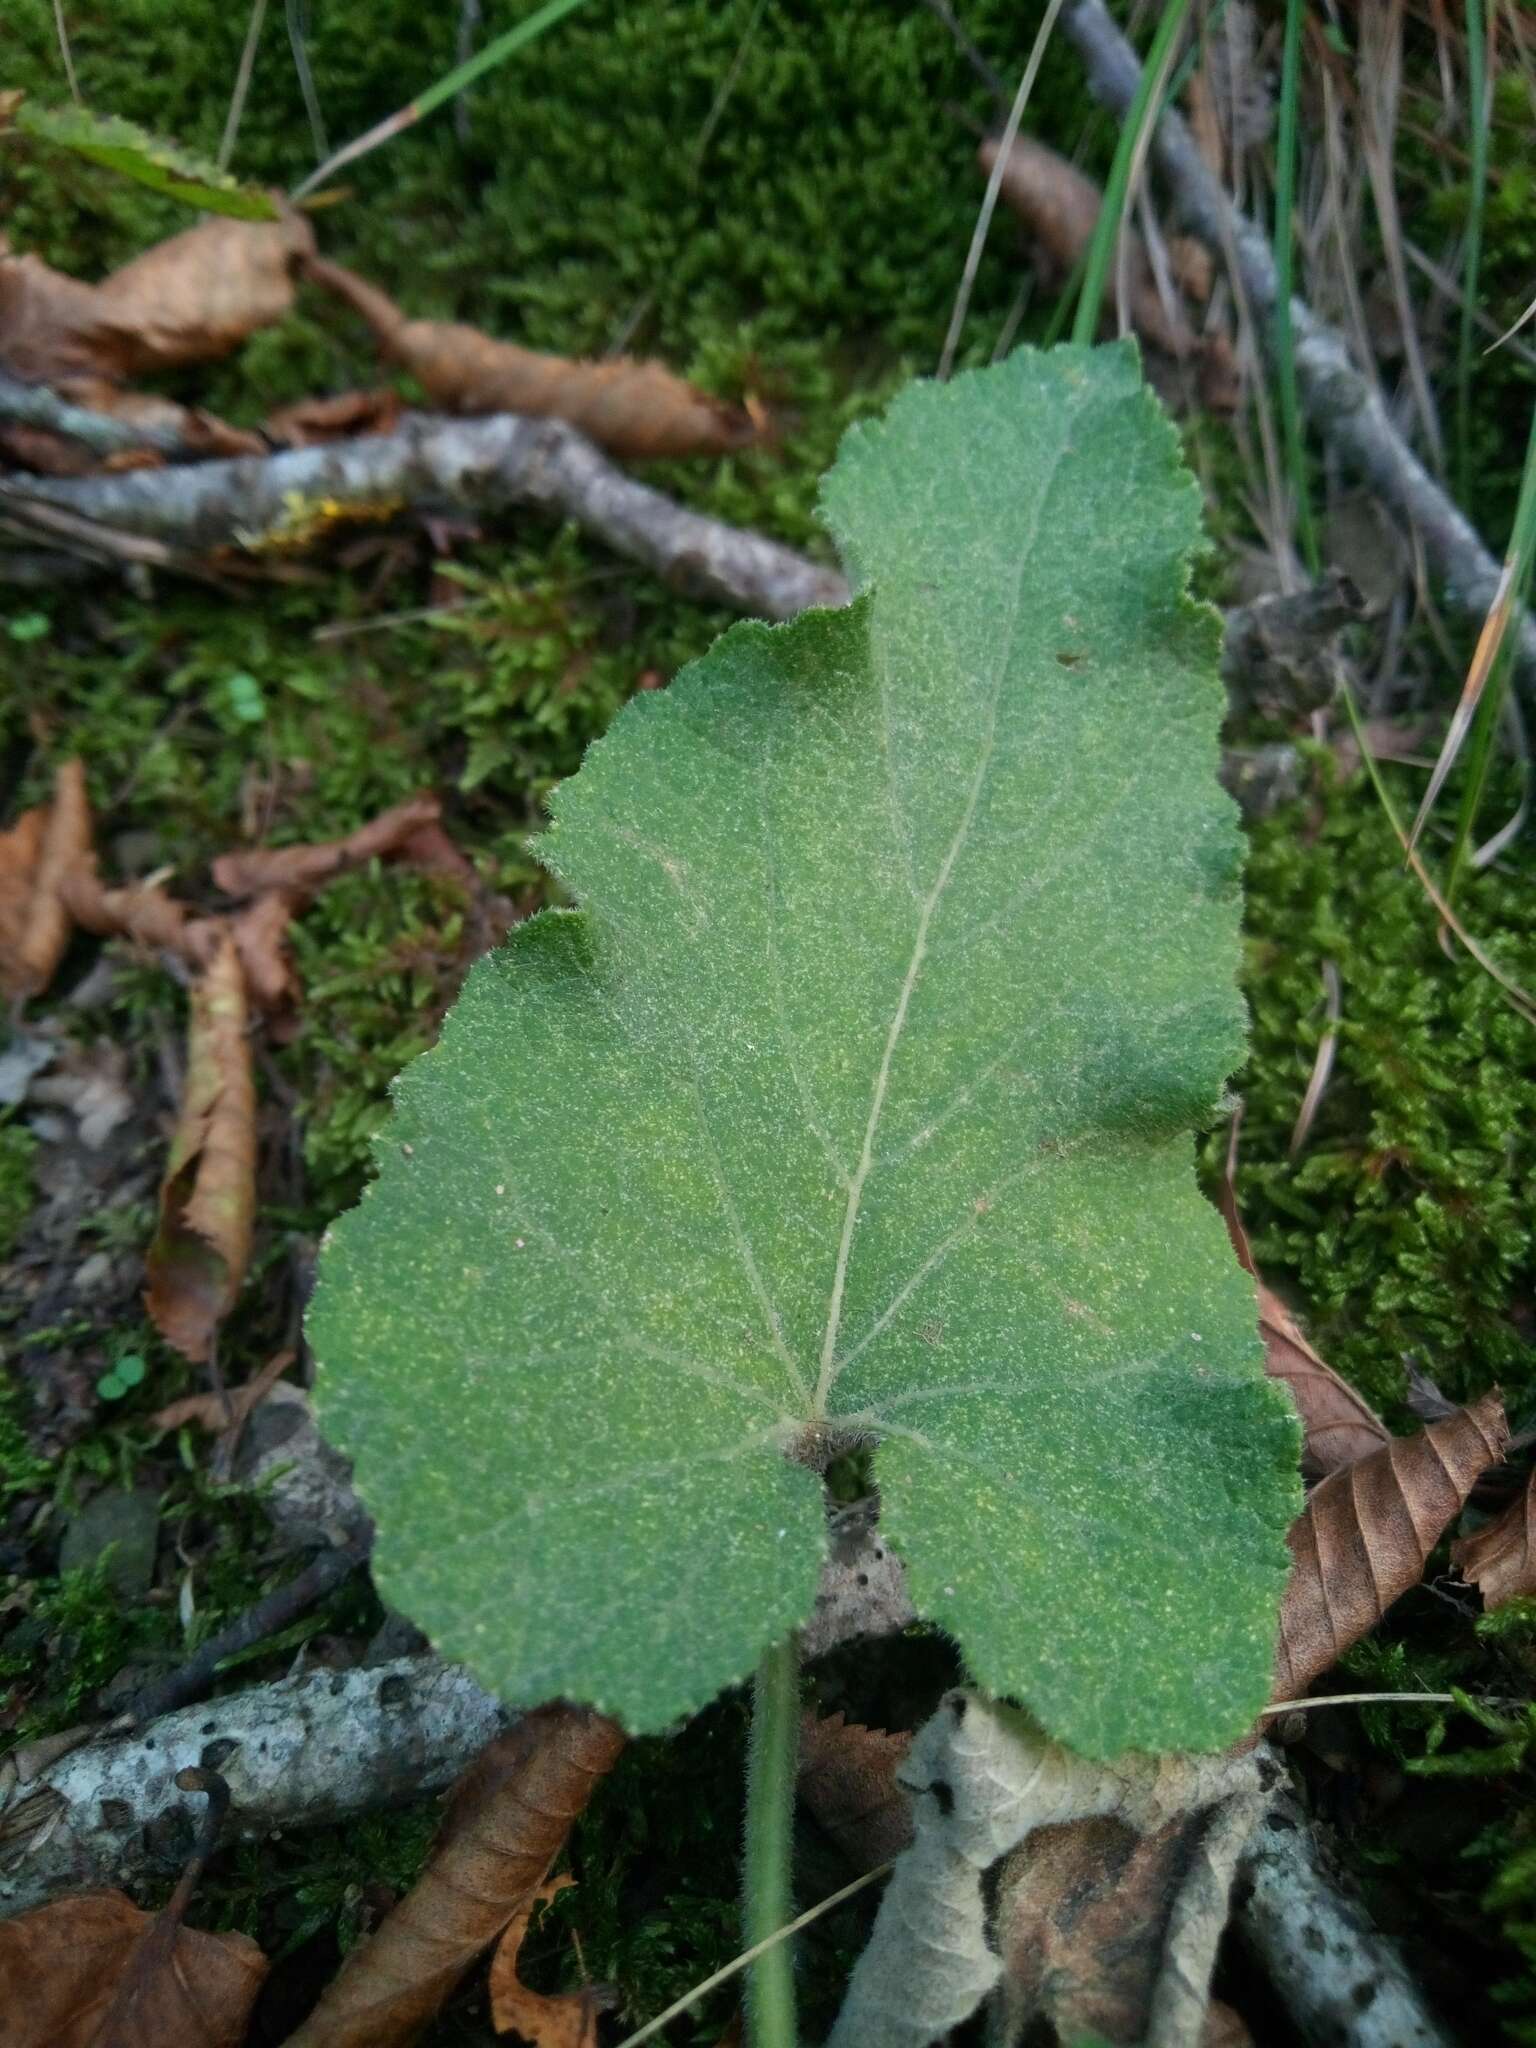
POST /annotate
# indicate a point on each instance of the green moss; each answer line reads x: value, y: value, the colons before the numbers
x: 17, y: 1146
x: 1406, y: 1222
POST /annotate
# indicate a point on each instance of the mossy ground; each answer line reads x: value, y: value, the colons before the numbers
x: 775, y: 196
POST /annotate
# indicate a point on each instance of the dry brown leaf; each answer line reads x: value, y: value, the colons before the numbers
x: 20, y: 850
x: 301, y: 870
x: 190, y: 299
x: 142, y: 912
x: 313, y: 420
x: 1500, y: 1559
x: 27, y: 963
x: 61, y: 1967
x: 630, y: 408
x: 202, y: 1242
x: 568, y: 2019
x: 510, y: 1816
x: 1083, y: 1915
x: 215, y: 1412
x: 145, y: 914
x: 847, y: 1779
x: 260, y: 933
x: 1366, y: 1533
x: 1340, y: 1425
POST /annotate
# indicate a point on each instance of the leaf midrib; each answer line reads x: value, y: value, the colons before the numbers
x: 829, y: 1369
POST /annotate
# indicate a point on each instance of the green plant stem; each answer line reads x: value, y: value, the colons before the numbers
x: 1477, y: 122
x: 446, y: 88
x: 1134, y: 131
x: 770, y: 1826
x: 1285, y: 347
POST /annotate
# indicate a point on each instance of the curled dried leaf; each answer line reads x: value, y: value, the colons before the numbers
x: 299, y: 871
x: 983, y: 1780
x: 62, y: 1966
x: 630, y: 408
x: 142, y: 912
x: 1500, y: 1558
x: 310, y: 421
x: 63, y: 849
x: 202, y: 1243
x: 190, y: 299
x: 510, y: 1816
x: 566, y: 2020
x: 1366, y: 1533
x: 1084, y: 1918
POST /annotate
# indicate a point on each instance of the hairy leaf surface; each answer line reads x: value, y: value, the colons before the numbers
x: 857, y: 1097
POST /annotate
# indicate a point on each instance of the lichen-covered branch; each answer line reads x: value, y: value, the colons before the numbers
x: 298, y: 1752
x: 35, y: 405
x: 1341, y: 404
x: 313, y: 1749
x: 1341, y: 1980
x: 261, y: 502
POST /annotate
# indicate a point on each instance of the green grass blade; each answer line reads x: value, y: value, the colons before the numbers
x: 1134, y: 133
x: 447, y: 87
x: 1496, y: 633
x: 1477, y: 93
x: 1285, y: 248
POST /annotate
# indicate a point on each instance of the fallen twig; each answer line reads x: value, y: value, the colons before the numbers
x: 1341, y: 1979
x: 266, y: 1618
x: 35, y: 405
x: 305, y: 1751
x: 1340, y: 402
x: 294, y: 1753
x: 257, y: 502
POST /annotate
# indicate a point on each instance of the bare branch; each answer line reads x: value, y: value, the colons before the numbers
x: 486, y: 464
x: 1340, y: 402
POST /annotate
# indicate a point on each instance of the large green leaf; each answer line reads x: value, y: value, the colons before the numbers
x: 857, y: 1099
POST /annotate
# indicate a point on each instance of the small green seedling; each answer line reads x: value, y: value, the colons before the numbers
x: 121, y: 1378
x: 854, y: 1105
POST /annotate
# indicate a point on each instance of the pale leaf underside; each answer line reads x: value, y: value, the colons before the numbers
x: 857, y: 1097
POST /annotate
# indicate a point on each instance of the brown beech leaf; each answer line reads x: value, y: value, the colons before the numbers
x: 1339, y: 1424
x: 310, y: 421
x: 42, y: 926
x: 202, y: 1242
x: 509, y: 1818
x: 1366, y: 1532
x: 61, y: 1967
x: 301, y: 870
x: 190, y: 299
x: 1500, y: 1559
x: 847, y: 1779
x: 630, y: 408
